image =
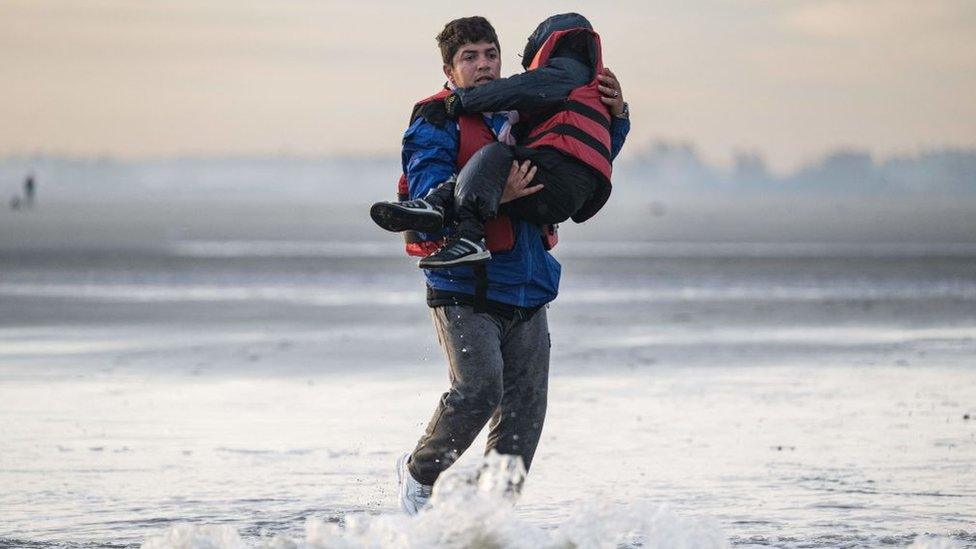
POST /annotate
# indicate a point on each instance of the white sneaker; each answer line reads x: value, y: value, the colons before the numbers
x: 413, y: 495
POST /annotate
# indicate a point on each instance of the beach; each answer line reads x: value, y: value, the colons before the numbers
x: 255, y: 392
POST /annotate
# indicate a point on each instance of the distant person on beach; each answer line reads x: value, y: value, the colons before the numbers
x: 29, y: 190
x: 564, y: 125
x: 14, y: 202
x: 490, y: 319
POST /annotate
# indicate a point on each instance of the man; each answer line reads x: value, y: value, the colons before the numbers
x: 492, y: 325
x: 29, y: 190
x: 565, y: 134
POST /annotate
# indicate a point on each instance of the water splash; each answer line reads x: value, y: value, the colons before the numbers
x: 475, y: 509
x: 196, y: 536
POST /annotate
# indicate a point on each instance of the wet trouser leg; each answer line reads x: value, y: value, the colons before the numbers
x: 498, y: 367
x: 517, y: 423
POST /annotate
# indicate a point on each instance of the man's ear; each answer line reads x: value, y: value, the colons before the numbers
x: 449, y: 73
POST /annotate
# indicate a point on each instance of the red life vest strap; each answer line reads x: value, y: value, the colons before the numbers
x: 423, y: 248
x: 499, y: 235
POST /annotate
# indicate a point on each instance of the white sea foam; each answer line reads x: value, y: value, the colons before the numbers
x: 474, y: 509
x: 196, y: 536
x: 486, y: 522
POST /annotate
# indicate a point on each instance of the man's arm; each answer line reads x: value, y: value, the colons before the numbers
x: 613, y: 98
x: 528, y: 91
x: 619, y: 128
x: 428, y: 154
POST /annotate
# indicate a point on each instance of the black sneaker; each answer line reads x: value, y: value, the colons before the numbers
x: 457, y: 252
x: 412, y: 215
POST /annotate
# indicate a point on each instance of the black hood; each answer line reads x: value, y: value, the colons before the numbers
x: 556, y: 23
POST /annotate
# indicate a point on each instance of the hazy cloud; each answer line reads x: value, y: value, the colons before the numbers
x: 185, y: 77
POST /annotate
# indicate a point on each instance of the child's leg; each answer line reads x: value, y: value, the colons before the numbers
x: 442, y: 196
x: 426, y: 214
x: 479, y: 187
x: 567, y: 185
x: 477, y: 197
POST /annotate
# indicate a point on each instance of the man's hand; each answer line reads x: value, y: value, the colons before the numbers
x: 613, y: 97
x: 452, y: 103
x: 517, y: 184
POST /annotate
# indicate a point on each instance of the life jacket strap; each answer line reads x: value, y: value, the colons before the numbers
x: 480, y: 289
x: 587, y: 111
x: 572, y: 131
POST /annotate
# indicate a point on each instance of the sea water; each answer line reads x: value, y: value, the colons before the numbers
x: 254, y: 393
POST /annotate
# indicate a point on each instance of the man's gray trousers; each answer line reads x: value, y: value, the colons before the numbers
x: 499, y: 371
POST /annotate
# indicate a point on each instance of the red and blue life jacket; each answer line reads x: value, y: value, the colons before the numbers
x: 474, y: 133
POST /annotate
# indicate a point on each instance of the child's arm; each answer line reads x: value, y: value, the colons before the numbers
x: 532, y: 90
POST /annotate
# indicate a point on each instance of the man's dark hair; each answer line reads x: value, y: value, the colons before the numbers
x: 466, y: 30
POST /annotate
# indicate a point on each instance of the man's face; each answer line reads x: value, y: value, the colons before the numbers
x: 474, y: 64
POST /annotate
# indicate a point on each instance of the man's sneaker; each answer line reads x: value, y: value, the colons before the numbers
x: 412, y: 215
x: 413, y: 495
x: 457, y: 252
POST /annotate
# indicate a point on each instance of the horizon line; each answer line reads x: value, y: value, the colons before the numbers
x: 632, y: 155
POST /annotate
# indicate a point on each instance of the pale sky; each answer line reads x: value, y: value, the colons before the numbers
x: 790, y: 79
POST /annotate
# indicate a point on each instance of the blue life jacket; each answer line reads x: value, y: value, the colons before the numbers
x: 525, y: 275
